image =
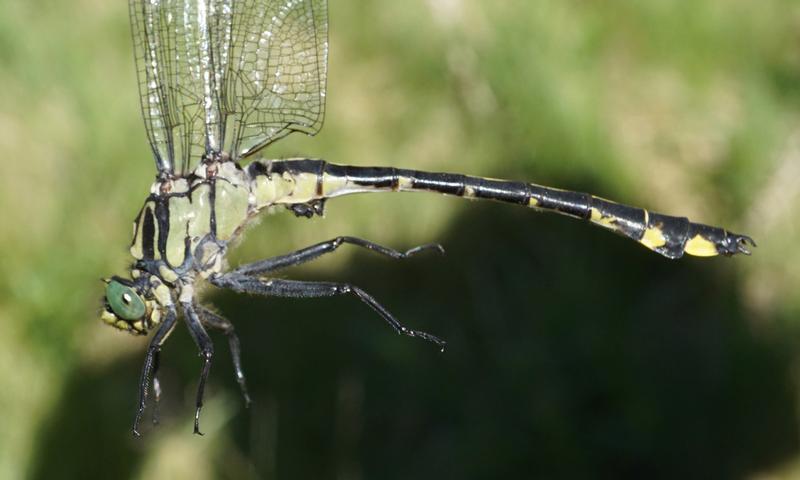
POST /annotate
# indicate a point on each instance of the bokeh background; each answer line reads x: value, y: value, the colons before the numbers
x: 573, y: 353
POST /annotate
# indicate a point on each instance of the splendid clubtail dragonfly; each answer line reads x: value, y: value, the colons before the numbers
x: 219, y: 80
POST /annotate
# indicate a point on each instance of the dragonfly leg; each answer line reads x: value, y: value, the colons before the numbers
x: 302, y: 289
x: 203, y: 342
x: 310, y: 253
x: 212, y: 320
x: 151, y: 361
x: 156, y: 386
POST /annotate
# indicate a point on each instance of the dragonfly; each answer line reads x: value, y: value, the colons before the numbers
x: 220, y: 80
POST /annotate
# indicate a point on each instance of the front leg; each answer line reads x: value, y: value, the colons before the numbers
x: 299, y: 289
x: 203, y: 342
x: 151, y: 361
x: 314, y: 251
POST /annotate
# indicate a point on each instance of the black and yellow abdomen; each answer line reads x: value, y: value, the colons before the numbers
x: 302, y: 181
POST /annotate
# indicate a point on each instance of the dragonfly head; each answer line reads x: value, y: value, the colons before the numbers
x: 131, y: 305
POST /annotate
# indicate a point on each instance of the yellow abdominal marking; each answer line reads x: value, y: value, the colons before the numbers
x: 603, y: 220
x: 700, y: 247
x: 653, y: 238
x: 405, y: 183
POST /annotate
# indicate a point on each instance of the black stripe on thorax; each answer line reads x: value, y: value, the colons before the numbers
x: 159, y: 215
x: 148, y: 234
x: 162, y: 217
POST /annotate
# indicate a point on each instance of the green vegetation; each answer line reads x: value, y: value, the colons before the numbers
x: 572, y: 352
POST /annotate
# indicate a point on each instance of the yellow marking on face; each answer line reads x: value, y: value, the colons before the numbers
x: 604, y: 221
x: 533, y: 202
x: 108, y: 317
x: 653, y: 238
x: 469, y: 192
x: 701, y: 247
x: 231, y: 208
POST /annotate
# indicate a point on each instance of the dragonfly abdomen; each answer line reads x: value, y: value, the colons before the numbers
x: 305, y: 180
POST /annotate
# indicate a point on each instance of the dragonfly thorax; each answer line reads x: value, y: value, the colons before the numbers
x: 186, y: 223
x: 181, y: 233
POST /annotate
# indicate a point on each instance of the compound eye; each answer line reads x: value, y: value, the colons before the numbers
x: 124, y: 301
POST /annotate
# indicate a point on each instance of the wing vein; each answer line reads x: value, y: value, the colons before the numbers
x: 227, y: 75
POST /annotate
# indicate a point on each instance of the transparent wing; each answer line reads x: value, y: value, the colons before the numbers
x: 229, y: 75
x: 277, y: 83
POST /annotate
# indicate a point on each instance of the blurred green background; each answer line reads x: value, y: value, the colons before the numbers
x: 572, y: 353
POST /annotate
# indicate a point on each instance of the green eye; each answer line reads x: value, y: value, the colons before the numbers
x: 124, y: 301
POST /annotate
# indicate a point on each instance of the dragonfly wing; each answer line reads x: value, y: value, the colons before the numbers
x: 151, y: 65
x: 230, y: 75
x: 182, y: 56
x: 278, y: 71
